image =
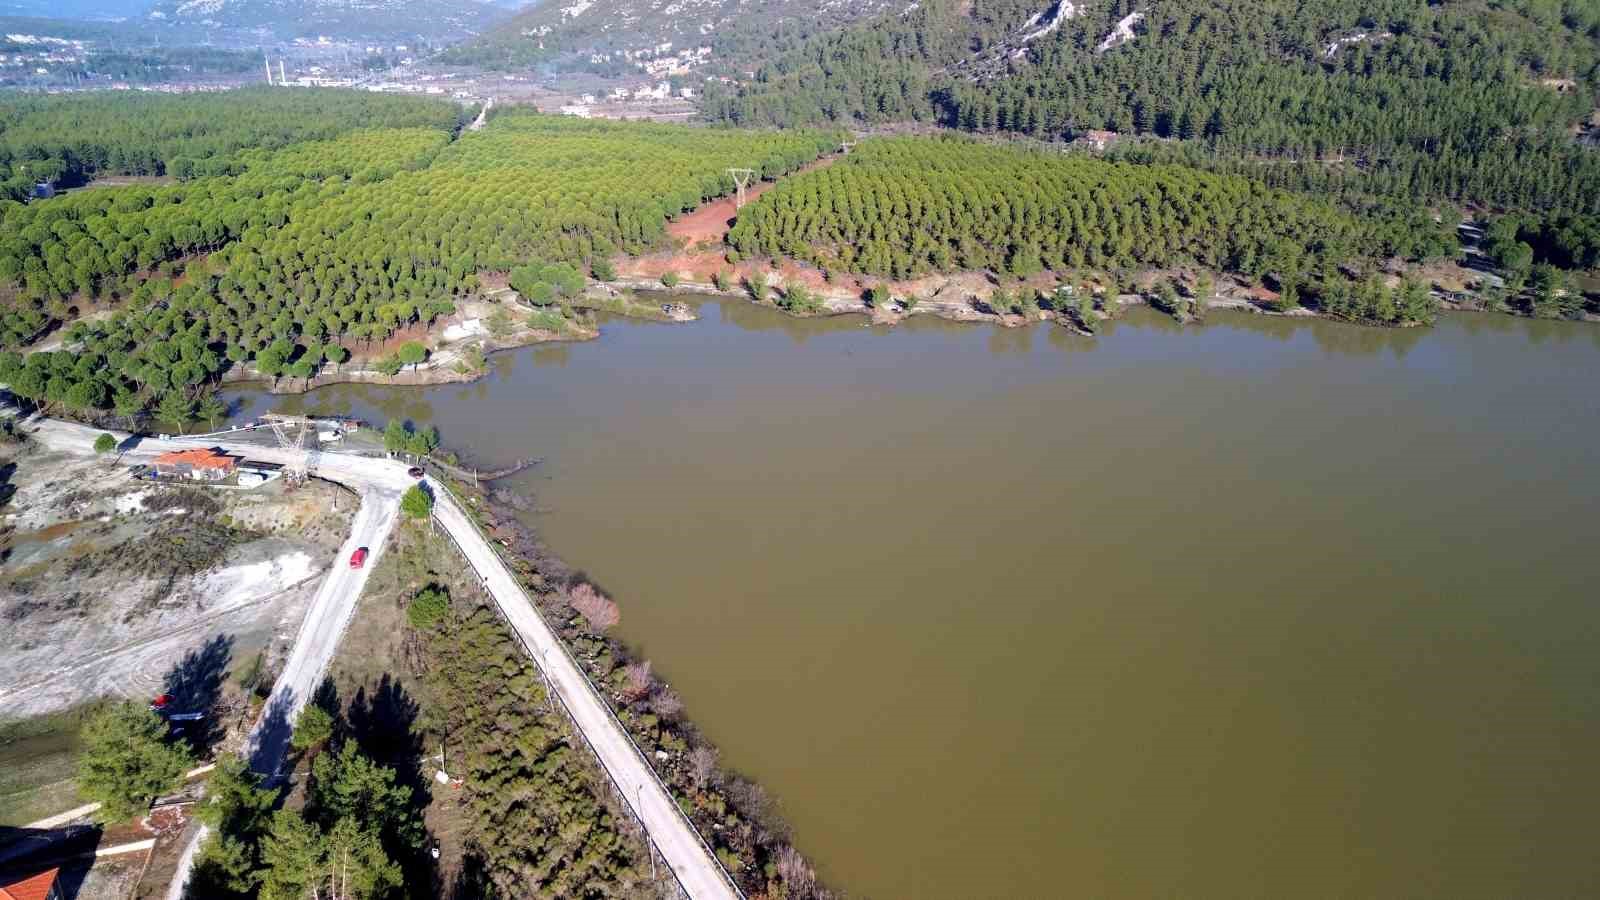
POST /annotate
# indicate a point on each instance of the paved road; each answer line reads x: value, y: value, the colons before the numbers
x: 380, y: 483
x: 696, y: 869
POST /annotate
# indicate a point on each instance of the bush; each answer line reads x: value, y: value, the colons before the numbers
x: 670, y: 279
x: 428, y: 607
x: 797, y: 298
x: 603, y: 270
x: 416, y: 503
x: 546, y: 320
x: 757, y: 285
x: 105, y: 443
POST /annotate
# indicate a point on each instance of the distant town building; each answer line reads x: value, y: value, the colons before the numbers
x: 1098, y: 140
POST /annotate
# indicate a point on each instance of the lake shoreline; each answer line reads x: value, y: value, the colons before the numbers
x: 611, y: 297
x: 653, y: 715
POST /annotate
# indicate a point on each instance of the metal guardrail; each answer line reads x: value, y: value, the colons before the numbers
x: 593, y: 689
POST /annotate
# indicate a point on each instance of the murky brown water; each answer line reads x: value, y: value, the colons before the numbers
x: 1256, y: 609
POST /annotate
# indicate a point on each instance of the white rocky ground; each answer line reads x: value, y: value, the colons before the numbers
x: 89, y: 607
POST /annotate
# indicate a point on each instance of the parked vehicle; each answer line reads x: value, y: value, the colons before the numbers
x: 358, y: 558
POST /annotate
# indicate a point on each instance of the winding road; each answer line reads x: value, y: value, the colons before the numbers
x: 380, y: 482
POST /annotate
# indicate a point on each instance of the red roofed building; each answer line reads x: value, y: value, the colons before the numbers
x: 201, y: 465
x: 42, y: 886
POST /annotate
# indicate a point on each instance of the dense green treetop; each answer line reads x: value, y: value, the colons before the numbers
x: 300, y: 253
x: 904, y: 206
x: 128, y: 761
x: 77, y: 135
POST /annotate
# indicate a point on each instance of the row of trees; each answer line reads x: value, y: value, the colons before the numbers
x: 1469, y: 101
x: 88, y: 244
x: 304, y: 272
x: 75, y: 136
x: 902, y: 206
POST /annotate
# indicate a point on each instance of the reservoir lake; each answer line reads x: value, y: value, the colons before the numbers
x: 1262, y: 607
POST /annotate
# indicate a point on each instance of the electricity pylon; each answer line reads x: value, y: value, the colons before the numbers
x: 741, y: 177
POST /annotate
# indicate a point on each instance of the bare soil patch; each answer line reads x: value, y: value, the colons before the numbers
x: 111, y: 584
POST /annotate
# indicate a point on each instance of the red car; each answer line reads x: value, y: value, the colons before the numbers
x: 358, y: 558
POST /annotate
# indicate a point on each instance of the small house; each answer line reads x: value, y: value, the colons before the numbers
x: 200, y: 465
x: 44, y: 886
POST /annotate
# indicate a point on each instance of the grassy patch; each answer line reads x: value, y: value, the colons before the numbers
x: 38, y: 762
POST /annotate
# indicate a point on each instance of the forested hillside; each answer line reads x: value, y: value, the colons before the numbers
x: 619, y: 37
x: 69, y: 137
x: 307, y: 250
x: 901, y: 207
x: 1474, y: 101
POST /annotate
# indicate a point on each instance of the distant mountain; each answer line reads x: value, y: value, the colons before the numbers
x: 75, y: 9
x: 432, y: 19
x: 658, y: 37
x: 1480, y: 102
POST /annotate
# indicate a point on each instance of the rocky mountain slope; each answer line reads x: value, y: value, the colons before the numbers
x: 659, y: 37
x: 433, y: 19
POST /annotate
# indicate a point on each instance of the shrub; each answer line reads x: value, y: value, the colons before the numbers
x: 797, y: 298
x: 596, y: 608
x: 416, y: 503
x: 428, y: 607
x: 670, y: 279
x: 105, y: 443
x: 757, y: 285
x: 603, y: 270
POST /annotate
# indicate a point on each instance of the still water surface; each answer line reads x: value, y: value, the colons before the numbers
x: 1255, y: 609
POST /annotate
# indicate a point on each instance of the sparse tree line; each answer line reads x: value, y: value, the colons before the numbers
x: 1473, y: 101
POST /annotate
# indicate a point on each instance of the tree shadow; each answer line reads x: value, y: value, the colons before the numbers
x: 382, y: 723
x: 7, y: 489
x: 195, y: 685
x: 472, y: 879
x: 268, y: 751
